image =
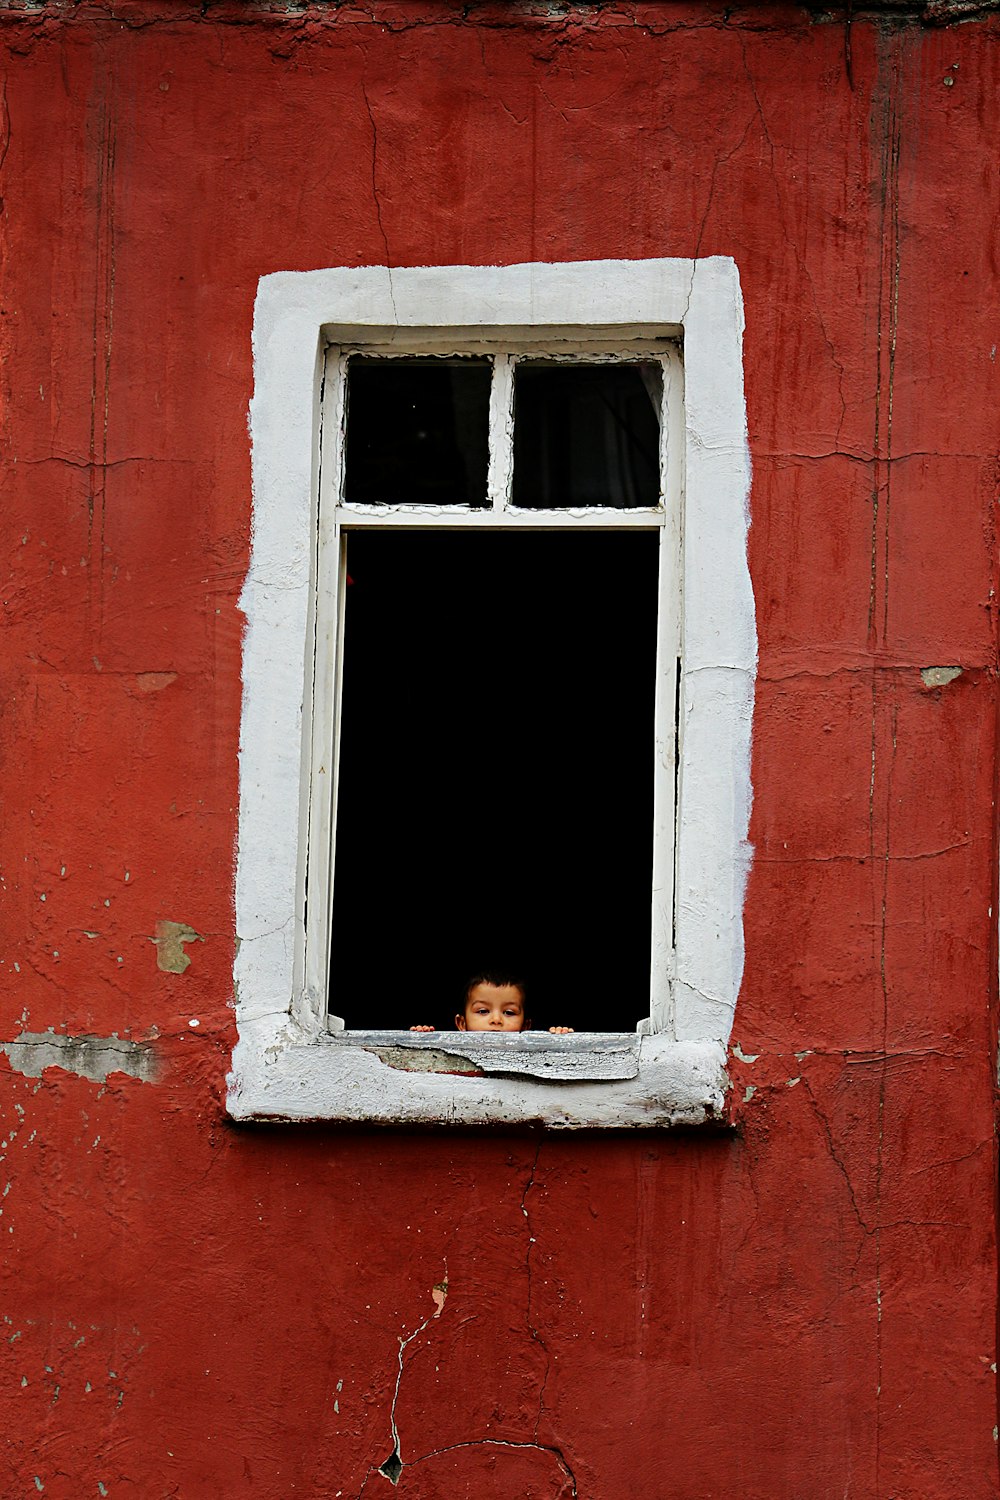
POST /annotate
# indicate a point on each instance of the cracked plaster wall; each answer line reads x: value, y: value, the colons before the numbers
x: 805, y: 1306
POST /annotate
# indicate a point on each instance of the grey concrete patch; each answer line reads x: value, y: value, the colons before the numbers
x: 939, y: 676
x: 93, y: 1057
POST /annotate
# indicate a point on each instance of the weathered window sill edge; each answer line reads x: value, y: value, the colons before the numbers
x: 584, y: 1082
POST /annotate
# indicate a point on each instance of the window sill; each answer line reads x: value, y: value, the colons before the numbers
x: 584, y: 1081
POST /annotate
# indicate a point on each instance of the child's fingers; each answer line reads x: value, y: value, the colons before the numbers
x: 560, y: 1030
x: 423, y: 1028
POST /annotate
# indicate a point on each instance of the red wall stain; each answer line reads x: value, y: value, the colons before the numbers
x: 802, y: 1308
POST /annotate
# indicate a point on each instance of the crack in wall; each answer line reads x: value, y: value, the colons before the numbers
x: 867, y: 1229
x: 790, y: 238
x: 103, y: 334
x: 4, y: 130
x: 553, y: 1451
x: 886, y: 130
x: 883, y: 1078
x: 718, y: 161
x: 377, y: 199
x: 860, y: 859
x: 106, y: 464
x: 392, y: 1467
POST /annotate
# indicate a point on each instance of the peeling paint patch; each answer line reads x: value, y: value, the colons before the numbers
x: 170, y: 939
x: 93, y: 1057
x: 427, y: 1061
x: 939, y: 676
x: 154, y: 682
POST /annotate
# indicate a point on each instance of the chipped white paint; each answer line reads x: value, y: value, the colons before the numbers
x: 285, y: 1064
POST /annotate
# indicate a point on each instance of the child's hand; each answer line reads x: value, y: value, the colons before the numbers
x: 560, y: 1030
x: 423, y: 1028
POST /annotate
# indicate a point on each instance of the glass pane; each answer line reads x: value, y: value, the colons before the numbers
x: 586, y: 434
x: 417, y: 431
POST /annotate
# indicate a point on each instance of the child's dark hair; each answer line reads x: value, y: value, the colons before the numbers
x: 497, y: 978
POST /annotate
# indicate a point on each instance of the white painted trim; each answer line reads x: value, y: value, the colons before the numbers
x: 283, y: 1063
x: 668, y: 650
x: 676, y: 1083
x: 501, y: 434
x: 510, y: 517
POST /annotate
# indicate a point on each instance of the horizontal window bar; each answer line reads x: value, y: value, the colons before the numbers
x: 412, y: 516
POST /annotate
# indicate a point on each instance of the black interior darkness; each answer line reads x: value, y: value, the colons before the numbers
x: 417, y: 431
x: 586, y: 434
x: 496, y: 775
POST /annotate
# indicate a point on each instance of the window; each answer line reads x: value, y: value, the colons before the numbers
x: 497, y: 794
x: 421, y: 623
x: 496, y: 771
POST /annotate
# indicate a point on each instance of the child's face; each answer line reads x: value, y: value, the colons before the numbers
x: 493, y: 1007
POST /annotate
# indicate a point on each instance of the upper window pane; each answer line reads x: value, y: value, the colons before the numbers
x: 586, y: 434
x: 417, y: 431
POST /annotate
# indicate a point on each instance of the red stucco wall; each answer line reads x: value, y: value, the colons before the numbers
x: 800, y: 1310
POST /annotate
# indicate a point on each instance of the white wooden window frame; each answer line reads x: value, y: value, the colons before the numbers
x: 337, y: 518
x: 289, y: 1062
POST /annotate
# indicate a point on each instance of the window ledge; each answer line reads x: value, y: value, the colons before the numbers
x: 583, y: 1081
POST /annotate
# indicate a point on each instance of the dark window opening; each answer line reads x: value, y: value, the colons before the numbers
x: 496, y: 775
x: 586, y: 434
x: 417, y: 431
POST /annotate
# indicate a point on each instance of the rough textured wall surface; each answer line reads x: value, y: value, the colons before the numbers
x: 802, y: 1309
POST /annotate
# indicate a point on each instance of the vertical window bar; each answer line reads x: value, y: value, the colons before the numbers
x: 501, y: 433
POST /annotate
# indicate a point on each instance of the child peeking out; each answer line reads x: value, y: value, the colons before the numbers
x: 494, y: 1002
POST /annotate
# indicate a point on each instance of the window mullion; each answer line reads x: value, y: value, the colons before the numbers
x: 501, y: 466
